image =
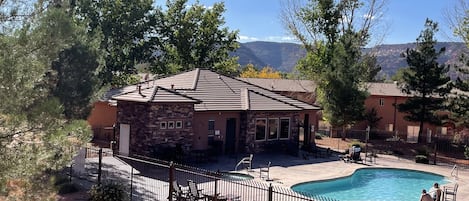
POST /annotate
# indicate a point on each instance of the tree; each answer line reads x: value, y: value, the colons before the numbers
x: 126, y: 43
x: 371, y: 116
x: 193, y: 37
x: 459, y: 101
x: 460, y: 98
x: 426, y: 81
x: 458, y: 20
x: 267, y: 72
x: 35, y: 137
x: 76, y: 80
x: 334, y: 37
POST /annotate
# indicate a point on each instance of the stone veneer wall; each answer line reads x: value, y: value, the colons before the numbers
x: 248, y: 133
x: 144, y: 120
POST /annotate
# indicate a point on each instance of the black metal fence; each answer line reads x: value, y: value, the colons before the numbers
x: 152, y: 179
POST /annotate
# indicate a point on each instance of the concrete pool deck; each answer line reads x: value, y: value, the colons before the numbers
x: 288, y: 170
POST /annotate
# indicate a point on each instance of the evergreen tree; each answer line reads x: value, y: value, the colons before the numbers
x: 76, y: 80
x: 35, y: 137
x: 426, y: 81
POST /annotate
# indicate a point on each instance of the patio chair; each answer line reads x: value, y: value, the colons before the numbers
x: 246, y: 161
x: 264, y: 171
x: 451, y: 191
x: 177, y: 193
x: 194, y: 192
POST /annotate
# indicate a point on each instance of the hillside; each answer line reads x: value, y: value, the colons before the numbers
x: 283, y: 56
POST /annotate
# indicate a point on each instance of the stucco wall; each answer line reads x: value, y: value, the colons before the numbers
x: 200, y: 138
x: 390, y: 115
x: 102, y: 115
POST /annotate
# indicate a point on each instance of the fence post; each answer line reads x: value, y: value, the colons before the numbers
x: 269, y: 196
x: 171, y: 179
x: 131, y: 182
x: 215, y: 192
x: 100, y: 165
x: 71, y: 172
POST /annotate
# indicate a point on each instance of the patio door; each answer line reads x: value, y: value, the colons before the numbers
x: 230, y: 136
x: 124, y: 138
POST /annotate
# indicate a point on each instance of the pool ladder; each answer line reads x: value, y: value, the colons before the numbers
x: 455, y: 171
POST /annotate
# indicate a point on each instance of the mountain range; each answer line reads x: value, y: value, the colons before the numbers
x: 284, y: 56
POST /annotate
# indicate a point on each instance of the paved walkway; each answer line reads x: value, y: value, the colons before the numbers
x: 287, y: 170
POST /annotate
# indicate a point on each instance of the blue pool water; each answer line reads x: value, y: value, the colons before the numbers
x: 374, y: 184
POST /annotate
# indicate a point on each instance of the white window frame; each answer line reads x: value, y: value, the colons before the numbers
x: 280, y: 128
x: 265, y: 129
x: 163, y: 125
x: 268, y: 129
x: 178, y: 124
x: 171, y: 125
x: 381, y: 101
x: 211, y: 131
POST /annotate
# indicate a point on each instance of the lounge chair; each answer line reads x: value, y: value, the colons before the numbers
x: 451, y: 191
x: 355, y: 154
x: 177, y: 192
x: 264, y: 171
x: 246, y: 161
x: 194, y: 192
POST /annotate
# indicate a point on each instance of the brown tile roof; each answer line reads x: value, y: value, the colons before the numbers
x: 283, y: 84
x: 385, y: 89
x: 216, y: 92
x: 155, y: 94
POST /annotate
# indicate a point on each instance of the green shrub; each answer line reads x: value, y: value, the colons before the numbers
x: 422, y: 151
x: 357, y: 143
x: 421, y: 159
x: 67, y: 188
x: 466, y: 152
x: 110, y: 191
x: 318, y: 136
x: 58, y: 179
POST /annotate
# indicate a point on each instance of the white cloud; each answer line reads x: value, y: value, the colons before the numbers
x: 280, y: 39
x: 247, y: 39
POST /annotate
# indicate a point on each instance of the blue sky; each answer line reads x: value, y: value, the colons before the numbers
x: 259, y: 20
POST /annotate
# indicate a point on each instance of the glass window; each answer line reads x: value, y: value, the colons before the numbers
x: 444, y: 130
x: 163, y: 125
x: 273, y: 128
x: 261, y: 129
x: 381, y: 101
x: 285, y: 128
x: 211, y: 127
x: 170, y: 124
x: 178, y: 124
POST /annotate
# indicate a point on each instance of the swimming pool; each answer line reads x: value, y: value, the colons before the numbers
x: 367, y: 184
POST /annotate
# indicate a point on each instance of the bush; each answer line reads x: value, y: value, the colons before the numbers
x: 421, y: 159
x: 109, y: 191
x: 67, y: 188
x: 466, y: 152
x: 422, y: 151
x: 318, y: 136
x: 357, y: 143
x: 397, y: 152
x: 58, y: 179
